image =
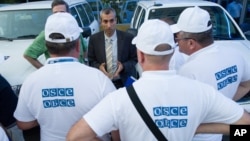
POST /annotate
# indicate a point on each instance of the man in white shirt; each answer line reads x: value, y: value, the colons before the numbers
x: 176, y: 104
x: 221, y: 67
x: 59, y: 93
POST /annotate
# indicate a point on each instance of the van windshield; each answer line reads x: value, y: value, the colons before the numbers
x: 22, y: 24
x: 223, y: 28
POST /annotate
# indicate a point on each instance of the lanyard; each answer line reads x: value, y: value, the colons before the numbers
x: 62, y: 60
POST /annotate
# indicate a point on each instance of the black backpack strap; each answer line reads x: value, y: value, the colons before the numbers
x: 144, y: 114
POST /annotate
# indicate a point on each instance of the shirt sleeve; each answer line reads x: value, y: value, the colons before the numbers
x: 38, y: 47
x: 83, y: 49
x: 22, y: 112
x: 222, y: 109
x: 95, y: 117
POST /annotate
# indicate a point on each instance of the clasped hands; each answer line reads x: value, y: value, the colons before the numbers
x: 111, y: 75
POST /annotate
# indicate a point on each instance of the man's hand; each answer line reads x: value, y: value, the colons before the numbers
x: 119, y: 69
x: 33, y: 61
x: 102, y: 68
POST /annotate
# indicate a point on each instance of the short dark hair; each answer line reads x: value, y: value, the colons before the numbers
x: 60, y: 48
x: 60, y: 2
x: 107, y: 10
x: 204, y: 38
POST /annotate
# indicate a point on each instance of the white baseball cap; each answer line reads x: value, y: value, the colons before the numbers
x: 63, y: 23
x: 193, y: 20
x: 153, y: 33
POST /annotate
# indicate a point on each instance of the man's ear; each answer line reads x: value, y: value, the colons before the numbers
x: 78, y: 45
x: 192, y: 44
x: 140, y: 56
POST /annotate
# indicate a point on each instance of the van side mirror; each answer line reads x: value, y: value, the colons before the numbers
x: 132, y: 31
x: 86, y: 32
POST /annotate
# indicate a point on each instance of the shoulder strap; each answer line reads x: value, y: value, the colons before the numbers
x: 6, y: 132
x: 144, y: 114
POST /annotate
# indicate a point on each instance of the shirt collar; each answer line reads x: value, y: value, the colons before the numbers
x: 203, y: 51
x: 61, y: 60
x: 158, y: 74
x: 113, y: 37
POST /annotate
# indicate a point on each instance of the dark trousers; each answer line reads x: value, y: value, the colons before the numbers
x: 32, y: 134
x: 118, y: 83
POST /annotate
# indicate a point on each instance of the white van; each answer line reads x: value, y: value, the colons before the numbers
x: 21, y: 23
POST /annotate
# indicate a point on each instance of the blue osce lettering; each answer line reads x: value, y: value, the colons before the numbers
x: 58, y: 103
x: 172, y: 123
x: 170, y: 111
x: 54, y: 92
x: 227, y: 81
x: 228, y: 71
x: 64, y: 96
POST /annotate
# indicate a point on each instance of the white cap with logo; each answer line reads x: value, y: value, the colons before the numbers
x: 193, y: 20
x: 63, y: 23
x: 153, y: 33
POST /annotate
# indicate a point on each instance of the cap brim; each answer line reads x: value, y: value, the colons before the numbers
x: 81, y: 30
x: 134, y: 40
x: 175, y: 28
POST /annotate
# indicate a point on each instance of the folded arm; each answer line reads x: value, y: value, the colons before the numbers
x: 220, y: 128
x: 27, y: 125
x: 243, y: 89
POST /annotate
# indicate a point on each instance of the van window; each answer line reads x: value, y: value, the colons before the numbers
x: 22, y: 24
x: 142, y: 18
x: 136, y: 14
x: 75, y: 14
x: 223, y: 28
x: 89, y: 12
x: 84, y: 17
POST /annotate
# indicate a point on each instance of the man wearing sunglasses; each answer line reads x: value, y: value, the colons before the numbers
x: 219, y: 66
